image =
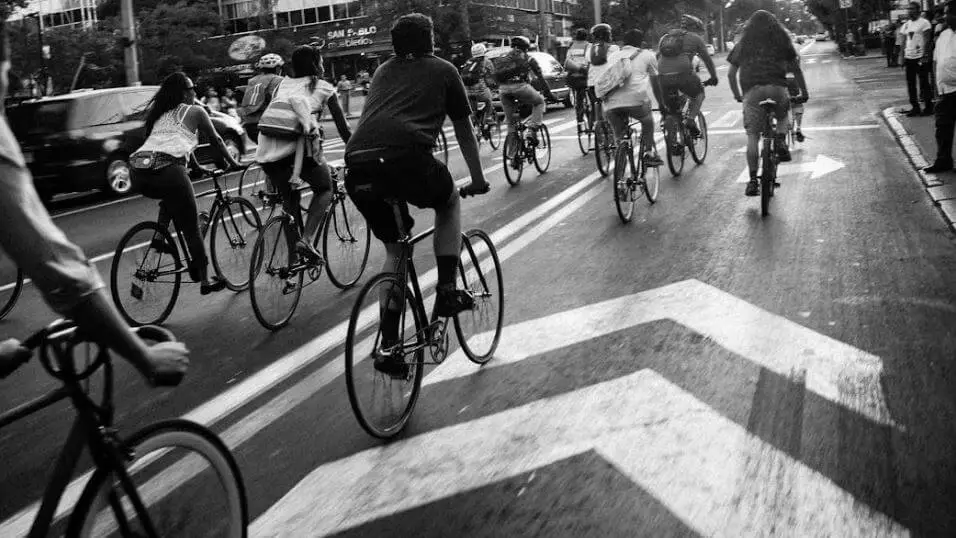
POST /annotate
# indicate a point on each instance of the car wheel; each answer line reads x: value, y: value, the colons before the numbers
x: 233, y: 148
x: 118, y: 181
x: 569, y: 100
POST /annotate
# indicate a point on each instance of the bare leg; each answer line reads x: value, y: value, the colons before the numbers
x: 447, y: 240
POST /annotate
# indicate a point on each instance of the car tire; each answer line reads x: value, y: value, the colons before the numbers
x: 233, y: 147
x: 569, y: 100
x: 118, y: 176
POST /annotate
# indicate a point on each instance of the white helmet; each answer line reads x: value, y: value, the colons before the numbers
x: 478, y: 49
x: 270, y: 61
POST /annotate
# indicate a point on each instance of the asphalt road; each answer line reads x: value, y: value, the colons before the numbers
x: 702, y: 370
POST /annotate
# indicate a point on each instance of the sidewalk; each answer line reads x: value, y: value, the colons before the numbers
x: 356, y: 104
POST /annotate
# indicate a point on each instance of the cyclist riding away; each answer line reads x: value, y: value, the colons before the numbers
x: 675, y: 56
x: 68, y: 282
x: 597, y: 56
x: 159, y: 170
x: 633, y: 98
x: 478, y: 74
x: 259, y: 91
x: 762, y: 56
x: 390, y: 158
x: 290, y: 145
x: 798, y: 96
x: 513, y: 72
x: 576, y: 64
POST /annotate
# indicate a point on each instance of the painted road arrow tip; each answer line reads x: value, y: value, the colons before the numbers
x: 825, y: 165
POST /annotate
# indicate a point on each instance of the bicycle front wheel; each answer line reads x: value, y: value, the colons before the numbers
x: 234, y: 230
x: 768, y: 176
x: 542, y: 153
x: 674, y: 140
x: 625, y: 187
x: 479, y: 329
x: 383, y: 401
x: 9, y: 293
x: 178, y: 479
x: 603, y: 147
x: 274, y: 287
x: 513, y: 159
x: 586, y: 131
x: 251, y: 181
x: 345, y: 243
x: 650, y: 177
x: 698, y: 144
x: 441, y: 147
x: 145, y: 275
x: 494, y: 134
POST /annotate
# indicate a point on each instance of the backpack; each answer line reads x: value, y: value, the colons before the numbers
x: 614, y: 76
x: 471, y: 72
x: 672, y: 44
x: 512, y: 64
x: 599, y: 53
x: 574, y: 63
x: 279, y: 120
x: 257, y: 97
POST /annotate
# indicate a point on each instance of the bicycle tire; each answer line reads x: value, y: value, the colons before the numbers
x: 476, y: 279
x: 584, y: 144
x: 494, y: 134
x: 675, y: 149
x: 12, y: 294
x: 249, y: 180
x: 603, y: 147
x: 345, y: 231
x: 767, y: 177
x: 359, y: 362
x: 650, y: 176
x: 624, y: 183
x: 698, y: 146
x: 124, y: 255
x: 542, y: 153
x: 231, y: 241
x: 152, y: 445
x: 441, y: 147
x: 274, y: 277
x: 513, y: 158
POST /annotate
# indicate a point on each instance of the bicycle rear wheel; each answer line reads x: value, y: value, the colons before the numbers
x: 181, y: 473
x: 650, y: 176
x: 479, y: 329
x: 346, y: 238
x: 251, y: 181
x: 9, y: 293
x: 235, y: 227
x: 768, y: 176
x: 542, y: 153
x: 674, y: 140
x: 585, y: 134
x: 603, y: 146
x: 698, y: 144
x: 624, y: 184
x: 274, y: 287
x: 383, y: 402
x: 513, y: 159
x: 145, y: 275
x: 494, y: 134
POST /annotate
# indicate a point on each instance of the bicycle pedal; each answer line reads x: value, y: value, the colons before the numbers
x: 136, y: 292
x: 289, y: 287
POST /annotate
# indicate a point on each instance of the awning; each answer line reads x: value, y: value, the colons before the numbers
x: 382, y: 47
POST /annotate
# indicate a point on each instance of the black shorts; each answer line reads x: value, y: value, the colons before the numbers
x: 687, y: 83
x: 280, y: 172
x: 415, y: 178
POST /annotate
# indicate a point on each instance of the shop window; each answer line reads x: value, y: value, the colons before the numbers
x: 325, y: 13
x: 355, y: 9
x: 309, y: 15
x: 241, y: 25
x: 340, y: 11
x: 282, y: 19
x: 527, y: 5
x: 296, y: 17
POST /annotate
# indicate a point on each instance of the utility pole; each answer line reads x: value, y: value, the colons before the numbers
x: 597, y: 11
x: 129, y: 42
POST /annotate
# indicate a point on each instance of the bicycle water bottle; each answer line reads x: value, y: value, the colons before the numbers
x: 203, y: 223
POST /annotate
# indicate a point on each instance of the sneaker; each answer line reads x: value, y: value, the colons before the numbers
x: 308, y: 253
x: 160, y: 245
x: 913, y: 112
x: 391, y: 364
x: 451, y: 302
x: 532, y: 140
x: 783, y: 152
x: 692, y: 129
x: 798, y: 135
x: 928, y: 110
x: 215, y: 284
x: 938, y: 167
x: 753, y: 188
x: 652, y: 159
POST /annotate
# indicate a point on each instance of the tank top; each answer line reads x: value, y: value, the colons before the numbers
x: 171, y: 136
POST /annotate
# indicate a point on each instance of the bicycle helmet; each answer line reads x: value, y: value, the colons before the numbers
x: 270, y: 61
x: 690, y: 22
x: 478, y: 49
x: 601, y: 32
x: 521, y: 42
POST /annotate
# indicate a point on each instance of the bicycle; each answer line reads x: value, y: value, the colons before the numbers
x: 9, y: 293
x: 478, y: 330
x: 277, y: 272
x: 484, y: 130
x: 675, y: 132
x: 147, y: 271
x: 585, y: 132
x: 604, y: 144
x: 167, y: 479
x: 517, y: 150
x: 768, y: 156
x: 626, y: 183
x: 441, y: 147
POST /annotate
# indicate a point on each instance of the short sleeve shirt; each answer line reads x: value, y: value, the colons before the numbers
x: 407, y: 104
x: 766, y: 66
x: 915, y: 34
x: 682, y: 63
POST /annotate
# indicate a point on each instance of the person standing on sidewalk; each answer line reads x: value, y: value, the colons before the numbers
x: 345, y: 88
x: 945, y: 56
x: 917, y: 36
x: 889, y: 44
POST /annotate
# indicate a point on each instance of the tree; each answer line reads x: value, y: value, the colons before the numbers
x: 652, y: 17
x: 455, y: 21
x: 171, y: 37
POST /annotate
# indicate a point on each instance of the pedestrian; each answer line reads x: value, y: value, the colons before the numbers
x: 917, y: 36
x: 344, y: 88
x: 228, y: 103
x: 889, y: 44
x: 945, y: 57
x: 211, y: 100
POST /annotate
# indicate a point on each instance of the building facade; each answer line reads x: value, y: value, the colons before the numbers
x: 60, y: 13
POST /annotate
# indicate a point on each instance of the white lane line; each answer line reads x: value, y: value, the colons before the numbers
x: 728, y: 119
x: 820, y: 128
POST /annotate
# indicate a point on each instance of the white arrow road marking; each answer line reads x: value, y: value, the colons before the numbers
x: 819, y: 167
x: 698, y: 463
x: 727, y: 120
x: 811, y: 60
x: 826, y: 61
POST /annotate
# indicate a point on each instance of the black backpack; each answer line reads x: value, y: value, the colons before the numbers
x: 257, y: 97
x: 672, y: 44
x: 599, y: 53
x: 471, y: 72
x: 513, y: 64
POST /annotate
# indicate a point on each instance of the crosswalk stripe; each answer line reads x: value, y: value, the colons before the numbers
x: 727, y: 120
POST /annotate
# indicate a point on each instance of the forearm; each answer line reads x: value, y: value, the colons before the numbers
x: 469, y: 148
x: 709, y: 62
x: 732, y: 79
x: 224, y: 151
x: 98, y: 318
x: 656, y: 89
x: 341, y: 124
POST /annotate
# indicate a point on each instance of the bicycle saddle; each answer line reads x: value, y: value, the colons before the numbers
x: 768, y: 102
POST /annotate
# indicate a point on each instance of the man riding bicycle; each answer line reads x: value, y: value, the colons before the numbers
x: 513, y: 72
x: 576, y: 64
x: 478, y: 75
x: 676, y: 52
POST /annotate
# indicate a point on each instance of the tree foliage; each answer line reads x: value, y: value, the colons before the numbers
x: 654, y: 18
x: 451, y: 18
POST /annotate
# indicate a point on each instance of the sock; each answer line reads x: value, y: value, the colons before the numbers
x: 447, y: 267
x: 390, y: 321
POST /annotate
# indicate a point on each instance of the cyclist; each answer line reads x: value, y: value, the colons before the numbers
x: 675, y: 56
x: 390, y: 157
x: 797, y: 88
x: 283, y: 158
x: 633, y: 98
x: 159, y: 170
x: 258, y: 94
x: 576, y: 64
x: 478, y: 74
x: 762, y: 57
x: 68, y: 282
x: 513, y: 72
x: 597, y: 56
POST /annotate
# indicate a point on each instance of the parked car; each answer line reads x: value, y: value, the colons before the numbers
x: 822, y: 36
x: 554, y: 75
x: 81, y: 141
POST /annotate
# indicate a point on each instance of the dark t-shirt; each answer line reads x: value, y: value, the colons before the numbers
x: 407, y: 104
x: 767, y: 67
x: 682, y: 63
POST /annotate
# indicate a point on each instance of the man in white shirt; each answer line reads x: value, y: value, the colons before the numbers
x: 945, y: 56
x: 633, y: 98
x: 917, y: 45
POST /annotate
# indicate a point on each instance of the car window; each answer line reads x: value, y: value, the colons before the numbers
x: 549, y: 66
x: 43, y: 118
x: 97, y: 110
x: 136, y: 105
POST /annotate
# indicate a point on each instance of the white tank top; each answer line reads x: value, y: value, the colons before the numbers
x: 171, y: 136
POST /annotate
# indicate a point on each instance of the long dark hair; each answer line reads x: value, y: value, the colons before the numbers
x: 171, y: 93
x: 307, y: 62
x: 763, y: 35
